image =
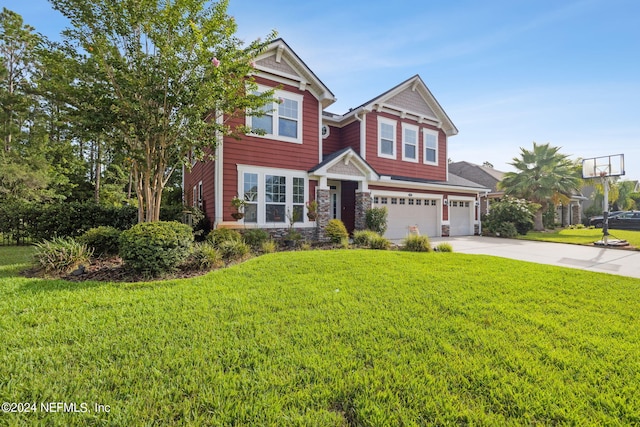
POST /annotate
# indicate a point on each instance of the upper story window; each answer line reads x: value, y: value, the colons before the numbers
x: 409, y: 143
x: 282, y: 119
x: 430, y: 147
x: 386, y: 138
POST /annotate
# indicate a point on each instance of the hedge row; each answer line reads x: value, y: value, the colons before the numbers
x: 20, y: 222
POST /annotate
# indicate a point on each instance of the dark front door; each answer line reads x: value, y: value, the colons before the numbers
x: 348, y: 202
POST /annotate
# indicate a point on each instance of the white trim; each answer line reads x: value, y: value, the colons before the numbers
x: 275, y: 116
x: 218, y: 179
x: 394, y: 124
x: 416, y: 130
x: 431, y: 132
x: 321, y: 137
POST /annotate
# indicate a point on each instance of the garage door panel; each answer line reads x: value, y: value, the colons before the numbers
x: 407, y: 212
x: 460, y: 218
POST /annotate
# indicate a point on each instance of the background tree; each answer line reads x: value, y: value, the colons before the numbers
x: 543, y: 175
x: 174, y: 76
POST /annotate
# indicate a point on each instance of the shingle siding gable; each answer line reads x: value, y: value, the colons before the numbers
x: 410, y: 100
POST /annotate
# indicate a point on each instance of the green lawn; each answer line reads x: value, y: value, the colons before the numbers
x: 583, y: 236
x: 328, y: 338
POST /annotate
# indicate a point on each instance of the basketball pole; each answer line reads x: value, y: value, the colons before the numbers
x: 605, y: 213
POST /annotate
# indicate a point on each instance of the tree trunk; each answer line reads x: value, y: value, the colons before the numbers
x: 538, y: 224
x: 96, y: 194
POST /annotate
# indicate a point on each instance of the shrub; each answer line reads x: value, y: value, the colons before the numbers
x: 336, y: 231
x: 379, y: 242
x: 233, y: 249
x: 104, y: 240
x: 203, y: 257
x: 376, y: 219
x: 444, y: 247
x: 220, y: 235
x: 519, y: 213
x: 155, y: 247
x: 255, y: 237
x: 506, y: 229
x: 364, y: 237
x: 415, y: 243
x: 269, y: 247
x: 61, y: 256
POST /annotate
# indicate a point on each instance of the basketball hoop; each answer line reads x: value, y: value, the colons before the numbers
x: 603, y: 168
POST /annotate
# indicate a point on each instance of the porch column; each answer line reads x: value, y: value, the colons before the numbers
x: 576, y: 214
x: 363, y: 202
x: 324, y: 212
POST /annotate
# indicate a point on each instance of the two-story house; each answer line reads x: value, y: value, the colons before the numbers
x: 390, y: 151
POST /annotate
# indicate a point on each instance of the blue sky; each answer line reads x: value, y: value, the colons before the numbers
x: 507, y: 72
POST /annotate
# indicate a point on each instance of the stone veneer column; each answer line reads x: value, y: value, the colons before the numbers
x: 363, y: 202
x: 576, y: 213
x: 324, y: 213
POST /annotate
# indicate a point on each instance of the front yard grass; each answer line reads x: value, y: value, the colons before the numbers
x: 329, y: 338
x: 584, y: 236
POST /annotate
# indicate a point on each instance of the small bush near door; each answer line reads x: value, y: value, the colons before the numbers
x: 336, y: 231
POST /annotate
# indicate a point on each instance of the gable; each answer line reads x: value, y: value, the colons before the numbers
x: 345, y: 168
x: 280, y: 64
x: 281, y: 67
x: 412, y: 101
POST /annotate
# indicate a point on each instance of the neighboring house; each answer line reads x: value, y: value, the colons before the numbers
x: 484, y: 175
x: 490, y: 177
x: 390, y: 151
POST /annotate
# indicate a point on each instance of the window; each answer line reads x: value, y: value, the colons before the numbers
x: 298, y: 199
x: 376, y: 200
x: 386, y: 138
x: 394, y: 201
x: 251, y: 197
x: 383, y: 200
x: 419, y: 202
x: 196, y: 200
x: 409, y: 143
x: 275, y: 197
x: 271, y: 195
x: 430, y: 147
x: 282, y: 120
x: 402, y: 201
x: 411, y: 201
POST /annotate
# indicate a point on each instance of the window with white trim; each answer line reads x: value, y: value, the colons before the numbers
x: 409, y: 143
x: 250, y: 196
x: 196, y: 200
x: 275, y: 194
x: 430, y: 146
x: 282, y: 119
x: 272, y: 194
x: 386, y: 138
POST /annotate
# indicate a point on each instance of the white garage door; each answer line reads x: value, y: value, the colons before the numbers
x: 460, y: 218
x: 405, y: 212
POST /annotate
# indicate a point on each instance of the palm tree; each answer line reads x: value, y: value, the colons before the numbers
x: 543, y: 175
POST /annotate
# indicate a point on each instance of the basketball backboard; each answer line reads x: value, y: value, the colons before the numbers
x: 598, y: 167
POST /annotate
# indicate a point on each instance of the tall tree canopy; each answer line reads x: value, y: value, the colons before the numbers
x: 167, y: 76
x: 543, y: 176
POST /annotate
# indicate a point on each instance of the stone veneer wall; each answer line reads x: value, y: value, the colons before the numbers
x: 576, y: 213
x: 445, y: 230
x: 363, y: 202
x: 324, y: 213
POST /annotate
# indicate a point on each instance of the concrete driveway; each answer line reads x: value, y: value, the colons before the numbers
x: 623, y: 262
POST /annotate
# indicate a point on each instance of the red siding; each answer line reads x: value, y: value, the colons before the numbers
x: 333, y: 142
x: 258, y: 151
x: 201, y: 171
x: 351, y: 136
x: 399, y: 167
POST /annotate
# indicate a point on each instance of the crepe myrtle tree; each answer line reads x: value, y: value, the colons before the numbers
x: 175, y: 77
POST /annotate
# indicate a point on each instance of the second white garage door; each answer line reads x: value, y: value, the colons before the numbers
x: 405, y: 212
x: 461, y: 218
